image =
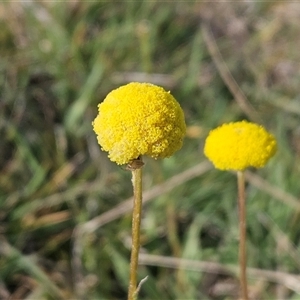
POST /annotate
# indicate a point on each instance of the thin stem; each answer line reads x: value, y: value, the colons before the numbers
x: 242, y: 225
x: 136, y: 169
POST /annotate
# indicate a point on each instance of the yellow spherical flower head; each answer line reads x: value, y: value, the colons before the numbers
x: 139, y: 119
x: 238, y: 145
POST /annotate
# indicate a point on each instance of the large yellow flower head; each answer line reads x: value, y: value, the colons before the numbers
x: 238, y: 145
x: 139, y: 119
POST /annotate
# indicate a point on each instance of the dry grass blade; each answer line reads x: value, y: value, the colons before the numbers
x: 291, y: 281
x: 225, y: 74
x: 272, y: 190
x: 148, y: 195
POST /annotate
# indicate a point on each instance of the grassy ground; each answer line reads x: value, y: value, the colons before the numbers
x: 64, y: 220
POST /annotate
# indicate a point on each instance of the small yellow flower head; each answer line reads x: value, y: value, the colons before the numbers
x: 238, y: 145
x: 139, y: 119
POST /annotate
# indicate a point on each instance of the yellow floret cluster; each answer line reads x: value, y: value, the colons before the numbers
x: 139, y: 119
x: 238, y: 145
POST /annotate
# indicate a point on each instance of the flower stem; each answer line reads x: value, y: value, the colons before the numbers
x: 242, y: 225
x: 136, y: 169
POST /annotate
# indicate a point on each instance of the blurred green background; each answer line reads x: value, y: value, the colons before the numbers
x: 65, y: 223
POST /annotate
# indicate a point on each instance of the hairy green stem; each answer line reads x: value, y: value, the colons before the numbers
x: 242, y: 225
x: 136, y: 221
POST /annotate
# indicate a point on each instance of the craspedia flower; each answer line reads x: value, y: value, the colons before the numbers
x: 238, y: 145
x: 139, y: 119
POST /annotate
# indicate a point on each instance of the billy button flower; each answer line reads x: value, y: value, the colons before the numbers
x: 139, y: 119
x: 237, y: 146
x: 134, y: 120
